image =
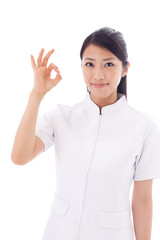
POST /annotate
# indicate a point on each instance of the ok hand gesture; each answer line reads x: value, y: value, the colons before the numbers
x: 42, y: 74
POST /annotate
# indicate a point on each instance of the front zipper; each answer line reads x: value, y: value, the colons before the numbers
x: 100, y: 116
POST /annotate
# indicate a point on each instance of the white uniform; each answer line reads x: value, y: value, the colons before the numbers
x: 97, y: 158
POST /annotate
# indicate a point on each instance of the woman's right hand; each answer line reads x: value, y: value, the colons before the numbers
x: 42, y: 74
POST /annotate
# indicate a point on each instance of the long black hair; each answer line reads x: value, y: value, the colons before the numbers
x: 113, y: 41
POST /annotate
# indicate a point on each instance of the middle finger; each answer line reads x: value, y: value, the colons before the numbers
x: 45, y: 60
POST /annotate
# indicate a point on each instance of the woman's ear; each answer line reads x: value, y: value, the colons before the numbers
x: 125, y: 70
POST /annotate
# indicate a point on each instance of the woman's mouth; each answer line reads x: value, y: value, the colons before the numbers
x: 100, y: 85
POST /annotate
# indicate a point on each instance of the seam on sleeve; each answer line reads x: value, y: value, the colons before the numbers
x: 151, y: 122
x: 138, y: 157
x: 57, y: 120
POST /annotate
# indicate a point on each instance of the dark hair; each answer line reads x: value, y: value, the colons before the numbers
x: 113, y: 41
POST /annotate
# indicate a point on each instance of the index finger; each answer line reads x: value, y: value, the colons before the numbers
x: 53, y: 66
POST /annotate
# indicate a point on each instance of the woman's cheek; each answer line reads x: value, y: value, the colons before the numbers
x: 88, y: 76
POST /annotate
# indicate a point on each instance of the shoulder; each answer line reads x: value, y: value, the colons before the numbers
x: 139, y: 115
x: 72, y: 109
x: 140, y: 121
x: 61, y: 110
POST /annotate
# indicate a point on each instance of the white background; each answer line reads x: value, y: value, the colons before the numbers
x: 26, y: 192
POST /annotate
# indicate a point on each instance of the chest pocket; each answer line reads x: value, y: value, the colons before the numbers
x: 113, y: 219
x: 60, y: 206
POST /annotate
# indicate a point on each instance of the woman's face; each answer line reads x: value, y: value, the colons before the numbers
x: 100, y: 66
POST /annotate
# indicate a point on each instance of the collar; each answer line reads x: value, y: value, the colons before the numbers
x: 106, y: 109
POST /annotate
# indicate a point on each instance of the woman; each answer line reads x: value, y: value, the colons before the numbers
x: 101, y: 145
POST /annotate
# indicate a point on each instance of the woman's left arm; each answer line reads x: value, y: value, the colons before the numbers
x: 142, y: 209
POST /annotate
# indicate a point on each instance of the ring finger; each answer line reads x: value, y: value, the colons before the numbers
x: 39, y: 59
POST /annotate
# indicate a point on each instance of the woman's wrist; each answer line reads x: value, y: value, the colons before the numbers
x: 36, y: 95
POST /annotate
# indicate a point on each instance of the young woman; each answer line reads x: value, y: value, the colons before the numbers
x: 102, y: 144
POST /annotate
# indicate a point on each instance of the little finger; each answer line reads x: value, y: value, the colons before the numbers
x: 33, y: 63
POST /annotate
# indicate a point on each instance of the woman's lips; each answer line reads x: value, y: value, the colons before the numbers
x: 99, y: 85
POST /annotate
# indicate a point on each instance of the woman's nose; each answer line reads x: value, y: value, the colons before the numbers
x: 98, y: 74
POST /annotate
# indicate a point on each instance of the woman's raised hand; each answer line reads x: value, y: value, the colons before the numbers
x: 42, y: 74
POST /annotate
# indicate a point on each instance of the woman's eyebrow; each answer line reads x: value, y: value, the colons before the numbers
x: 110, y: 58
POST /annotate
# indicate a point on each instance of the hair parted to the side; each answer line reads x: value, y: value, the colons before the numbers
x: 113, y: 41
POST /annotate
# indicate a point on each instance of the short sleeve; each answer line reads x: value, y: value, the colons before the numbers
x: 147, y: 165
x: 46, y: 125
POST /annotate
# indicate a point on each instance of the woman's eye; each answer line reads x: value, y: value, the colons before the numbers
x: 88, y: 63
x: 109, y: 64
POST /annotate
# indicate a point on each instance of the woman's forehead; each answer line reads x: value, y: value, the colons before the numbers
x: 93, y: 52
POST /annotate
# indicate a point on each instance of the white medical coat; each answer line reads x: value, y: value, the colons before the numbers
x: 97, y: 158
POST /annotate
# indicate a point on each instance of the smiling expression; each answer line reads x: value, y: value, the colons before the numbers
x: 102, y: 72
